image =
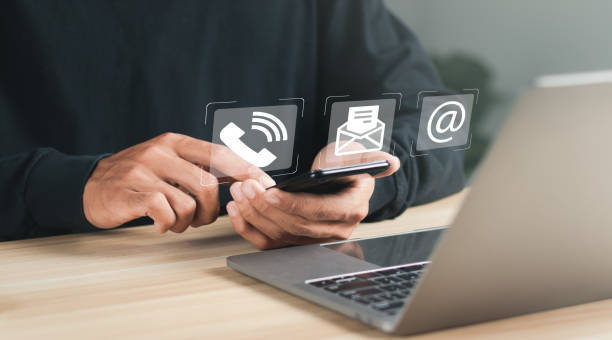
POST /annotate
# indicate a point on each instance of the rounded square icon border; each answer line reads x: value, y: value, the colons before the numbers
x: 212, y: 107
x: 416, y: 149
x: 330, y: 157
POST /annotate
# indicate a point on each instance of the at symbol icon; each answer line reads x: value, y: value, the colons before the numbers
x: 451, y: 122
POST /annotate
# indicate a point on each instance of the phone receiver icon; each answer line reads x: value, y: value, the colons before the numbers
x: 230, y: 136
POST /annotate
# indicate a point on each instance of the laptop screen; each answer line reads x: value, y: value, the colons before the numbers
x: 392, y: 250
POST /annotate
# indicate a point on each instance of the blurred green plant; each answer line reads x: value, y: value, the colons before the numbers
x: 460, y: 71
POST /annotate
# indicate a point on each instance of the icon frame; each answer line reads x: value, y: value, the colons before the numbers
x: 211, y: 107
x: 330, y: 100
x: 413, y: 152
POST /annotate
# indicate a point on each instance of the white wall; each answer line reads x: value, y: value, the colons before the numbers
x: 517, y: 39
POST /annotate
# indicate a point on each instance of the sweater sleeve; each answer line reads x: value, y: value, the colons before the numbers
x: 42, y: 193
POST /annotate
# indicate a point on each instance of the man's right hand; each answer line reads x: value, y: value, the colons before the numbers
x: 162, y: 179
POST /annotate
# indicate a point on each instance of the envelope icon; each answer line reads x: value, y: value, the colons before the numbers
x: 349, y: 142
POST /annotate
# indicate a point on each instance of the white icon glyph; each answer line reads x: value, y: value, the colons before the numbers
x: 265, y: 123
x: 450, y: 123
x: 362, y: 127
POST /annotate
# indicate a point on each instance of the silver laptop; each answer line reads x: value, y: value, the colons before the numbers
x: 534, y: 233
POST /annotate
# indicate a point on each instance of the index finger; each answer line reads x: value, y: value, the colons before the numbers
x: 225, y: 161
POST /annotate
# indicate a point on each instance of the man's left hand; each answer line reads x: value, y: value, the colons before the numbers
x: 273, y: 218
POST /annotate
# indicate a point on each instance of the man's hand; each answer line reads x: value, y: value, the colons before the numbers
x: 163, y: 179
x: 274, y: 218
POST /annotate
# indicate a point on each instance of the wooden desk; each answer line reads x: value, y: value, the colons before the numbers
x: 134, y: 283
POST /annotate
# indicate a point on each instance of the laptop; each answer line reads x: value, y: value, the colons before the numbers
x: 534, y: 233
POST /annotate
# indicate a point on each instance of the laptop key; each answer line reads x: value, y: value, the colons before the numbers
x: 405, y: 292
x: 407, y: 285
x: 355, y: 284
x: 374, y: 299
x: 383, y: 280
x: 348, y: 294
x: 333, y: 288
x: 398, y: 296
x: 369, y: 291
x: 408, y: 277
x: 386, y: 297
x: 394, y: 279
x: 391, y: 288
x: 345, y: 279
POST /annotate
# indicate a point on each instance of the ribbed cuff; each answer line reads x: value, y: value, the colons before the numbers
x: 54, y: 190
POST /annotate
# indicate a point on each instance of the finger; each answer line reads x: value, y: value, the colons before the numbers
x: 226, y: 161
x: 394, y: 162
x: 253, y: 217
x: 321, y: 207
x: 207, y: 197
x: 230, y: 164
x: 183, y: 205
x: 295, y: 224
x: 151, y: 204
x: 250, y: 215
x: 242, y: 228
x: 191, y: 178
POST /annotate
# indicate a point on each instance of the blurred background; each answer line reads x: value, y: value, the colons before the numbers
x: 501, y: 46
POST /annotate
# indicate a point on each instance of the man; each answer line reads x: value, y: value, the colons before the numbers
x: 82, y: 80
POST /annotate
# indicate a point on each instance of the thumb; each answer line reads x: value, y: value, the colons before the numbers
x: 394, y: 162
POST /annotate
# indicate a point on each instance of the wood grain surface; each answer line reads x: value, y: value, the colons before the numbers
x: 134, y: 283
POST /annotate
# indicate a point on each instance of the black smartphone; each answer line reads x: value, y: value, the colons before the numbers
x: 330, y: 180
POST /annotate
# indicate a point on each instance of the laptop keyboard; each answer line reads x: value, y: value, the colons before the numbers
x: 384, y: 289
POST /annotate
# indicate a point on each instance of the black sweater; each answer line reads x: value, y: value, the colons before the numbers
x: 80, y: 79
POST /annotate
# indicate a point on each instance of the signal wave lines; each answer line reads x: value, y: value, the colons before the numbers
x: 268, y: 125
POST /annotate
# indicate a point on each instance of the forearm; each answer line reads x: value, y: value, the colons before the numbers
x: 42, y: 193
x: 419, y: 180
